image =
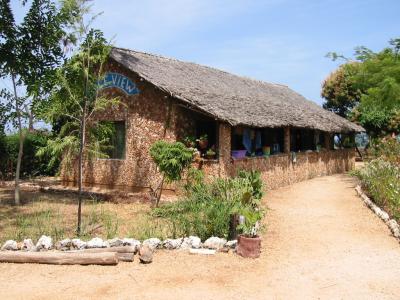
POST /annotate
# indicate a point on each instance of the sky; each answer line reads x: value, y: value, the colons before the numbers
x: 280, y: 41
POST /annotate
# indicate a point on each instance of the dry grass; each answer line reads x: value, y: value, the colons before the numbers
x: 56, y: 215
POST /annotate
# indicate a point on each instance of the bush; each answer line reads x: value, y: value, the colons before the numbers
x: 388, y: 149
x: 206, y: 209
x: 381, y: 180
x: 31, y: 164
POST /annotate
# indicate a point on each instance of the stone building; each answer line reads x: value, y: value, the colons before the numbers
x: 250, y: 124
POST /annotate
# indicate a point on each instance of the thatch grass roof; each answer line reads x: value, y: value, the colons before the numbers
x: 231, y: 98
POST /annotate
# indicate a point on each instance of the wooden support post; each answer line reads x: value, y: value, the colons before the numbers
x: 57, y: 258
x: 328, y: 141
x: 286, y: 140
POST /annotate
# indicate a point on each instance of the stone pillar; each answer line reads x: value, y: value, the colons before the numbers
x: 286, y: 140
x: 328, y: 141
x: 224, y: 149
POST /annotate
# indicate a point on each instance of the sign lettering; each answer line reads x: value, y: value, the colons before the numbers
x: 119, y: 81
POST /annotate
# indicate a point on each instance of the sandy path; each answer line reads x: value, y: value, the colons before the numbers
x: 321, y: 242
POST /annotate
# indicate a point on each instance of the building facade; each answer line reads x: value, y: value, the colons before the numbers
x: 244, y: 133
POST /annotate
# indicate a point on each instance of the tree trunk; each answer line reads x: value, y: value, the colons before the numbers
x: 160, y: 191
x: 80, y: 173
x: 21, y: 144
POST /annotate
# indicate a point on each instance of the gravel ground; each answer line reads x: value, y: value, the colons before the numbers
x: 321, y: 242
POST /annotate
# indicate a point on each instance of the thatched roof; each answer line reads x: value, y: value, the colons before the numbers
x: 227, y: 97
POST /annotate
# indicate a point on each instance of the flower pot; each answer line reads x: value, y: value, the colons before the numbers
x: 203, y: 144
x: 266, y: 151
x: 249, y: 246
x: 238, y: 153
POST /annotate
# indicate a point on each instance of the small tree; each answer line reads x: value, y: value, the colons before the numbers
x: 75, y: 100
x: 171, y: 160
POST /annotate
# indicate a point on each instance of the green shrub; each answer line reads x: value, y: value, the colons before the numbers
x: 171, y: 158
x: 386, y: 148
x: 381, y: 180
x: 206, y: 208
x: 31, y: 164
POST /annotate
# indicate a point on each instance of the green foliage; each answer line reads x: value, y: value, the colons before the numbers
x: 339, y: 90
x: 254, y: 177
x: 386, y: 148
x: 171, y: 158
x: 381, y: 180
x: 370, y: 84
x: 75, y: 97
x: 31, y: 165
x: 206, y: 208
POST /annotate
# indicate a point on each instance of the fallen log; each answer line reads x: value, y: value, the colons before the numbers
x: 127, y: 257
x: 59, y: 258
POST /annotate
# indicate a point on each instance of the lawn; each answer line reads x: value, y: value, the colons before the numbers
x: 56, y: 215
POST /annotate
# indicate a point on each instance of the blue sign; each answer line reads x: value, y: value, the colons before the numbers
x: 119, y: 81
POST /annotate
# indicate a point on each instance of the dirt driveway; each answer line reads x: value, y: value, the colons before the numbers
x: 321, y: 243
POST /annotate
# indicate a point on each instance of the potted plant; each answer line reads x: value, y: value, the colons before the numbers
x: 266, y: 150
x: 203, y: 141
x: 190, y: 141
x: 249, y: 243
x: 210, y: 154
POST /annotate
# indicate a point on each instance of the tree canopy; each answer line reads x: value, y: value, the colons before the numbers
x: 366, y: 89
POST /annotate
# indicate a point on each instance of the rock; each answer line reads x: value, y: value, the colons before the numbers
x: 202, y: 251
x: 10, y: 245
x: 394, y: 227
x: 64, y: 245
x: 191, y: 242
x: 44, y: 243
x: 116, y: 242
x: 78, y: 244
x: 96, y: 243
x: 214, y: 243
x: 27, y: 245
x: 153, y: 243
x: 231, y: 244
x: 131, y: 242
x: 171, y: 244
x: 145, y: 254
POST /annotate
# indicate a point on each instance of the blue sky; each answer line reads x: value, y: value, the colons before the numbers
x: 282, y: 41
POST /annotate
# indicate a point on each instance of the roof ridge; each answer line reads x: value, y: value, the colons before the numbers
x: 203, y: 66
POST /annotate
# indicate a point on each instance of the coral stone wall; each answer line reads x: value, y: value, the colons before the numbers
x: 149, y: 116
x: 280, y: 170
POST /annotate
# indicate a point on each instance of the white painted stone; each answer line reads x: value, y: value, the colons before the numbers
x: 132, y: 242
x: 28, y: 245
x: 10, y: 245
x: 214, y: 243
x: 64, y: 245
x: 152, y: 243
x: 78, y: 244
x: 203, y: 251
x: 231, y: 244
x: 171, y: 244
x: 115, y: 242
x: 96, y: 243
x: 44, y: 243
x: 191, y: 242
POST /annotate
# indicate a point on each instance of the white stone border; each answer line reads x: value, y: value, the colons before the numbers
x: 391, y: 223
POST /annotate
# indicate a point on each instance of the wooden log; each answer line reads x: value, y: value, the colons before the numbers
x: 127, y: 257
x: 59, y: 258
x: 122, y: 249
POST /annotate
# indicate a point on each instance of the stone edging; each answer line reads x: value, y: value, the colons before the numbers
x: 391, y: 223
